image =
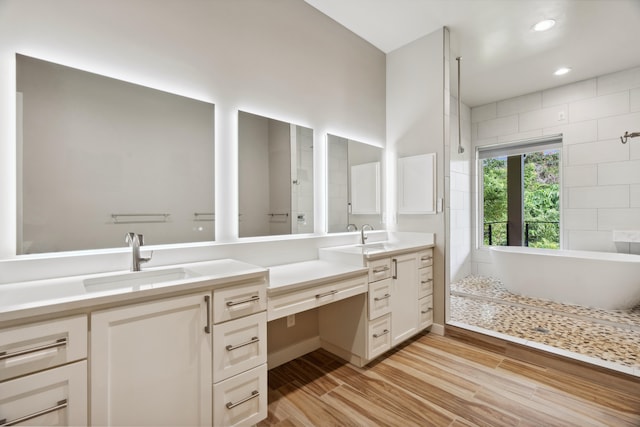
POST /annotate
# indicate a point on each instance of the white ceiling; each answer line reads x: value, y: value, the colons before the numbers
x: 501, y: 56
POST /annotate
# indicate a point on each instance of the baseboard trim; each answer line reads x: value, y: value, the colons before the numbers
x: 292, y: 352
x: 437, y: 329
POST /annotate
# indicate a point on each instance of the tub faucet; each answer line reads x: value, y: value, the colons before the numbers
x: 363, y: 237
x: 135, y: 241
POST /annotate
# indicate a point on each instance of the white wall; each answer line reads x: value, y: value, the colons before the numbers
x: 415, y: 125
x: 280, y: 58
x: 601, y: 176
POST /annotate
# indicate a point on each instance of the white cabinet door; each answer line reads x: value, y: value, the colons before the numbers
x: 56, y: 397
x: 151, y: 363
x: 404, y: 298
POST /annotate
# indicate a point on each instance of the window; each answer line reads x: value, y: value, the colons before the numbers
x: 520, y: 193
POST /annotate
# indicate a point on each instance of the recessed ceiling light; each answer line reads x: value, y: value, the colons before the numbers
x: 544, y: 25
x: 562, y: 71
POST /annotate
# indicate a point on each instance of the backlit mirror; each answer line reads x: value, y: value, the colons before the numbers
x: 99, y: 157
x: 275, y: 167
x: 354, y: 185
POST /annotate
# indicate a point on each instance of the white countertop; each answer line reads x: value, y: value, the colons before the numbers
x: 359, y: 255
x: 289, y: 277
x: 42, y: 297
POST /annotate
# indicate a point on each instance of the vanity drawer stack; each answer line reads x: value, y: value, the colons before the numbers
x: 425, y: 291
x: 379, y: 307
x: 43, y: 373
x: 240, y: 354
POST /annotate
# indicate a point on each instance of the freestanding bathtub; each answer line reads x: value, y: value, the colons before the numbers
x: 593, y: 279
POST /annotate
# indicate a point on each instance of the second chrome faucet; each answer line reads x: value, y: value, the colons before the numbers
x: 135, y: 241
x: 363, y: 237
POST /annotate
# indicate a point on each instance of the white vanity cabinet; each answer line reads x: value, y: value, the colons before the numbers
x: 151, y: 363
x: 397, y: 306
x: 240, y: 355
x: 425, y: 292
x: 44, y: 373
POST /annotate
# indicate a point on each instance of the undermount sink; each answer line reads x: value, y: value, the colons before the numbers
x: 374, y: 246
x: 138, y: 279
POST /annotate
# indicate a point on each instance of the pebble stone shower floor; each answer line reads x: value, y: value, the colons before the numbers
x: 609, y: 338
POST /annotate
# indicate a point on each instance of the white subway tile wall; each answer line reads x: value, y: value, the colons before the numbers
x: 601, y: 176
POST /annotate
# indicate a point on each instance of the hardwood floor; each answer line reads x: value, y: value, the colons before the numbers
x: 443, y: 381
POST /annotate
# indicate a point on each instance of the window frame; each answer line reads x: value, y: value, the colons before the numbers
x: 513, y: 148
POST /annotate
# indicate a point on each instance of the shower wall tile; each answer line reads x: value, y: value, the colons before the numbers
x: 580, y: 176
x: 619, y: 173
x: 600, y: 241
x: 635, y: 100
x: 569, y: 93
x: 546, y: 117
x: 616, y: 82
x: 634, y: 148
x: 520, y: 136
x: 519, y: 104
x: 612, y: 196
x: 499, y: 126
x: 575, y: 133
x: 598, y: 152
x: 580, y: 219
x: 618, y: 219
x: 601, y: 106
x: 634, y: 196
x: 484, y: 113
x: 614, y: 127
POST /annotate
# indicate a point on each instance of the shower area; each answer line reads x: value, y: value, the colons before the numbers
x: 598, y: 204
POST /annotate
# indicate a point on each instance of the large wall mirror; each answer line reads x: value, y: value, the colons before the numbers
x: 354, y: 185
x: 99, y: 157
x: 275, y: 167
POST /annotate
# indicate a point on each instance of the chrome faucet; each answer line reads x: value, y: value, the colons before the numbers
x: 363, y: 237
x: 135, y: 241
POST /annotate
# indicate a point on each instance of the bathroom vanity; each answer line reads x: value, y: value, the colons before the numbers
x: 187, y: 344
x: 166, y: 346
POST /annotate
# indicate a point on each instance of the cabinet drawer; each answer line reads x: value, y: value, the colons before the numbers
x: 425, y: 258
x: 426, y: 312
x: 241, y: 400
x: 56, y: 397
x: 305, y: 299
x: 379, y: 339
x: 239, y: 345
x: 237, y: 301
x: 379, y: 269
x: 426, y: 282
x: 379, y: 298
x: 37, y: 346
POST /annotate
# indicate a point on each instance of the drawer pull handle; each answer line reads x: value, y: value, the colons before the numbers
x: 253, y: 340
x: 425, y: 312
x: 381, y: 270
x: 59, y: 343
x: 254, y: 394
x: 426, y: 258
x: 382, y: 298
x: 424, y: 282
x: 385, y: 332
x: 326, y: 294
x: 207, y: 300
x: 60, y: 405
x: 251, y: 299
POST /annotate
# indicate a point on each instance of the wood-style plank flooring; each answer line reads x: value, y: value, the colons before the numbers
x: 442, y: 381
